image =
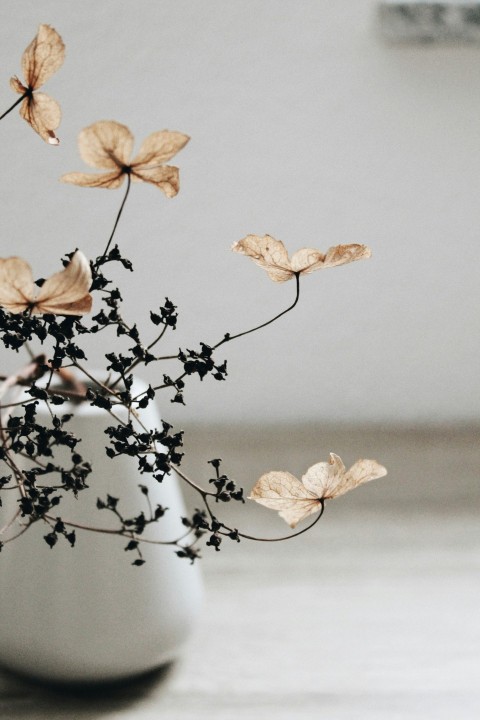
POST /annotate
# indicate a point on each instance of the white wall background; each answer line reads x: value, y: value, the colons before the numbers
x: 304, y: 125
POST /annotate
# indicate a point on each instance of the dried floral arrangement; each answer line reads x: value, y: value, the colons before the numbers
x: 48, y: 318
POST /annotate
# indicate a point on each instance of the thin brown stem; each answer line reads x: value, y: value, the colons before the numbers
x: 120, y: 531
x: 139, y: 360
x: 21, y: 532
x: 203, y: 493
x: 9, y: 524
x: 285, y: 537
x: 119, y: 214
x: 229, y: 338
x: 206, y: 494
x: 17, y: 102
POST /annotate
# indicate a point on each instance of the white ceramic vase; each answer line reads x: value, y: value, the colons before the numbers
x: 85, y: 614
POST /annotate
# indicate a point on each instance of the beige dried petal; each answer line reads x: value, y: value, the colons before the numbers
x: 43, y: 57
x: 361, y: 472
x: 342, y: 254
x: 17, y: 86
x: 165, y: 177
x: 306, y: 260
x: 282, y: 491
x: 329, y: 480
x: 44, y: 115
x: 106, y: 144
x: 279, y: 275
x: 159, y: 147
x: 324, y: 478
x: 16, y: 284
x: 268, y: 253
x: 106, y: 180
x: 295, y: 500
x: 265, y: 250
x: 272, y: 256
x: 64, y: 293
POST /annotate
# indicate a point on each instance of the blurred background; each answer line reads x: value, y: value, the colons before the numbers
x: 307, y: 126
x: 311, y: 126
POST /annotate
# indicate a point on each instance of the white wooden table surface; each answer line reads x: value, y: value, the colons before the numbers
x: 373, y: 615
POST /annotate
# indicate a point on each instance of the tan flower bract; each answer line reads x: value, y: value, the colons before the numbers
x: 159, y: 147
x: 105, y: 145
x: 272, y: 256
x: 64, y: 293
x: 294, y: 500
x: 41, y: 59
x: 307, y: 260
x: 44, y: 115
x: 284, y: 493
x: 108, y: 145
x: 342, y: 254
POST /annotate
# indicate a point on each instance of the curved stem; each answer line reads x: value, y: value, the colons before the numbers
x: 20, y: 532
x: 120, y: 532
x: 286, y: 537
x: 205, y: 494
x: 229, y: 337
x: 262, y: 539
x: 107, y: 248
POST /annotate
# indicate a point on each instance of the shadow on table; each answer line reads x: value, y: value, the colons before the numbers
x: 22, y: 697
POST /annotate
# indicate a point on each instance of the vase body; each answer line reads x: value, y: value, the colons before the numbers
x: 85, y: 614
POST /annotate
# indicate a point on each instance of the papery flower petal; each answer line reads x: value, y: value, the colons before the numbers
x: 105, y: 180
x: 275, y: 259
x: 43, y: 113
x: 295, y: 500
x: 268, y: 253
x: 66, y: 292
x: 272, y: 256
x: 16, y: 284
x: 279, y: 275
x: 323, y: 479
x: 328, y: 480
x: 342, y: 254
x: 17, y: 86
x: 106, y: 144
x: 165, y: 177
x: 306, y: 260
x: 43, y: 57
x: 361, y: 472
x: 159, y: 147
x: 282, y: 491
x: 265, y: 250
x: 61, y: 306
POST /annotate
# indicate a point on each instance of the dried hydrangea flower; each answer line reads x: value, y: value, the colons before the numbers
x: 64, y: 293
x: 41, y: 59
x: 272, y: 256
x: 108, y: 145
x: 295, y: 500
